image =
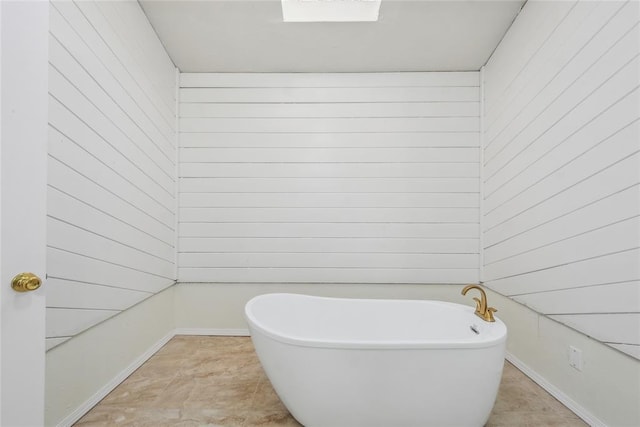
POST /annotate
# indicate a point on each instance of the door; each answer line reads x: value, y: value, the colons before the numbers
x: 23, y: 159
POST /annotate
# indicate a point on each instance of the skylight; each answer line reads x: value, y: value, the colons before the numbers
x: 330, y: 10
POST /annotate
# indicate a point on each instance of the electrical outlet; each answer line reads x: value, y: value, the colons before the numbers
x: 575, y: 358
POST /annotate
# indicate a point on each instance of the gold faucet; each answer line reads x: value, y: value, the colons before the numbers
x: 486, y: 313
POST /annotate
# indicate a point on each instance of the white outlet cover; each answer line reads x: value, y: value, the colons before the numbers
x: 575, y: 358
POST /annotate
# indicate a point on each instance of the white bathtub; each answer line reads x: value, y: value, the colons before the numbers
x: 389, y: 363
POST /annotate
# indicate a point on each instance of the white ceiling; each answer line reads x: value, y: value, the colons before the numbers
x: 249, y: 36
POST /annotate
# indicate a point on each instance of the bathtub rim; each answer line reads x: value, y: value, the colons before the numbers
x: 297, y: 341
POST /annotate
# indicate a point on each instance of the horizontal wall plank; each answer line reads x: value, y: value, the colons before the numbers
x: 91, y: 126
x: 123, y: 52
x: 327, y: 260
x: 329, y: 200
x: 330, y: 170
x: 145, y: 54
x: 512, y: 55
x: 609, y: 210
x: 62, y: 322
x: 337, y: 140
x: 563, y: 120
x: 329, y: 185
x: 331, y: 94
x: 606, y: 269
x: 600, y: 184
x: 328, y: 275
x: 335, y: 155
x: 75, y: 239
x: 613, y: 238
x: 611, y: 298
x: 321, y: 245
x: 262, y: 80
x: 331, y: 125
x: 619, y: 328
x: 592, y: 66
x: 328, y: 110
x: 66, y: 153
x: 630, y: 349
x: 329, y: 230
x: 94, y: 80
x: 81, y: 214
x: 83, y: 268
x: 70, y: 25
x: 70, y: 181
x: 598, y: 127
x: 71, y: 294
x: 614, y: 131
x: 572, y: 51
x: 316, y: 214
x: 53, y: 342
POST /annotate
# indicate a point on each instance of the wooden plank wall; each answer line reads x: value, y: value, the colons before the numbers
x: 561, y: 169
x: 112, y: 164
x: 330, y: 178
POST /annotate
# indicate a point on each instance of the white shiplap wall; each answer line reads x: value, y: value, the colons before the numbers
x: 369, y: 178
x: 561, y: 172
x: 112, y: 164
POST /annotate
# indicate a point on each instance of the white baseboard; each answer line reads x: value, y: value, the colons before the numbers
x: 574, y: 406
x: 578, y: 409
x: 239, y: 332
x: 115, y: 381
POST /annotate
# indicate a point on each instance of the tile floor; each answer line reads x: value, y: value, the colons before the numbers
x: 218, y: 381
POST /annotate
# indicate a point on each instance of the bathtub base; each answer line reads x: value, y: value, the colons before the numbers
x: 352, y: 388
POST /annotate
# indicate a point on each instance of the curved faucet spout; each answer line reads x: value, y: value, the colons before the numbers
x: 482, y: 309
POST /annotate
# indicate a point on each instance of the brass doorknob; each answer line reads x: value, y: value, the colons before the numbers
x: 25, y: 282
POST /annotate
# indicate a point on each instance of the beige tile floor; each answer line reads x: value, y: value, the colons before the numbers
x: 218, y: 381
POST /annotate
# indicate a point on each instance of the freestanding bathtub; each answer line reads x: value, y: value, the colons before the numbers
x: 389, y: 363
